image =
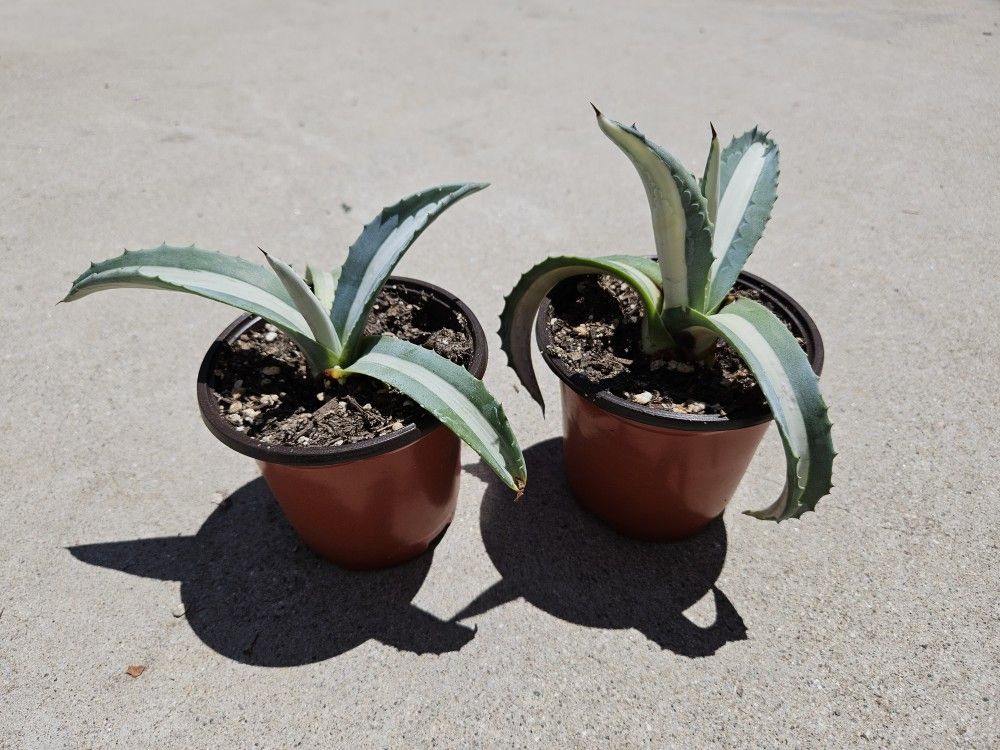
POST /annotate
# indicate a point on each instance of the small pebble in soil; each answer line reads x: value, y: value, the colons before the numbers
x: 270, y: 336
x: 643, y: 398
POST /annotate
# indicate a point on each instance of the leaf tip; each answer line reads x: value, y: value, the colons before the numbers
x: 715, y: 135
x: 596, y: 110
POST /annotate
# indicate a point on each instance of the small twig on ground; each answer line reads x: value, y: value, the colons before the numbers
x: 365, y: 413
x: 253, y: 642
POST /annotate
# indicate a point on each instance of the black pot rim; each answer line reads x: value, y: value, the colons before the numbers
x: 621, y: 407
x: 299, y: 455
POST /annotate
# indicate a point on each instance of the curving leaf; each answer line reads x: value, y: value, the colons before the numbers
x: 323, y: 284
x: 681, y: 227
x: 223, y: 278
x: 317, y: 317
x: 378, y: 249
x: 451, y: 393
x: 792, y: 391
x: 521, y: 305
x: 749, y: 188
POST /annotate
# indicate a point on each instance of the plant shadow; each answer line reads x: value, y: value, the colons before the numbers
x: 563, y: 560
x: 254, y: 593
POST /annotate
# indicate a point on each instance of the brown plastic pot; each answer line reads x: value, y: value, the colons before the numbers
x: 658, y: 475
x: 366, y: 505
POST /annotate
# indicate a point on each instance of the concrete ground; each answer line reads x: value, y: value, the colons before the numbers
x: 871, y: 623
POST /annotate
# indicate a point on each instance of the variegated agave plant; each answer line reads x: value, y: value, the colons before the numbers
x: 704, y: 232
x: 325, y: 314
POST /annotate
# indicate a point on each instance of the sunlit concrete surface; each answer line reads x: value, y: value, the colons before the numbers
x: 130, y: 536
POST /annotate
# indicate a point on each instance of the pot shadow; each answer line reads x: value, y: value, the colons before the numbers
x: 563, y: 560
x: 254, y: 593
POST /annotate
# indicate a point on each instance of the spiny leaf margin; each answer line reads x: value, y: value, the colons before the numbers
x: 791, y: 388
x: 697, y: 251
x: 521, y: 305
x: 729, y: 261
x: 212, y: 275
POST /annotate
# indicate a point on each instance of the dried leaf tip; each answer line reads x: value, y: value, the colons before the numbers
x: 714, y: 134
x: 262, y: 250
x: 596, y: 110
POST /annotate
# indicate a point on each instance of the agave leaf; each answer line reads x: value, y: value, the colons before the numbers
x: 681, y: 227
x: 710, y: 182
x: 749, y: 188
x: 323, y: 284
x: 521, y: 305
x: 316, y: 316
x: 223, y: 278
x: 378, y: 249
x: 452, y: 394
x: 792, y: 390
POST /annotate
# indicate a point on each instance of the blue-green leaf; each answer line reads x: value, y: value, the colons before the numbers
x: 378, y: 249
x: 749, y: 188
x: 306, y: 302
x: 317, y: 317
x: 223, y: 278
x: 451, y: 393
x: 323, y: 284
x: 681, y: 227
x: 792, y: 391
x: 710, y: 181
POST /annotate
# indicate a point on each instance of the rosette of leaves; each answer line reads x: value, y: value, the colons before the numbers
x: 704, y: 232
x: 325, y: 313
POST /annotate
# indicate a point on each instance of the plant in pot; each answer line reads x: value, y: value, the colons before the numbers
x: 671, y: 369
x: 351, y: 388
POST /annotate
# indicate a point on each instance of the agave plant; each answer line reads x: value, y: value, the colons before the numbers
x: 325, y: 314
x: 704, y: 232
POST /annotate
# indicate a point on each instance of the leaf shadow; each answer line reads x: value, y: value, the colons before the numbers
x: 254, y: 593
x: 564, y: 561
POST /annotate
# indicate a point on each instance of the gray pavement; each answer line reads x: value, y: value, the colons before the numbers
x: 872, y: 623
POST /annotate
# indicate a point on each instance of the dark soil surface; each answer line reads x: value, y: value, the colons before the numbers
x: 596, y: 328
x: 266, y: 391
